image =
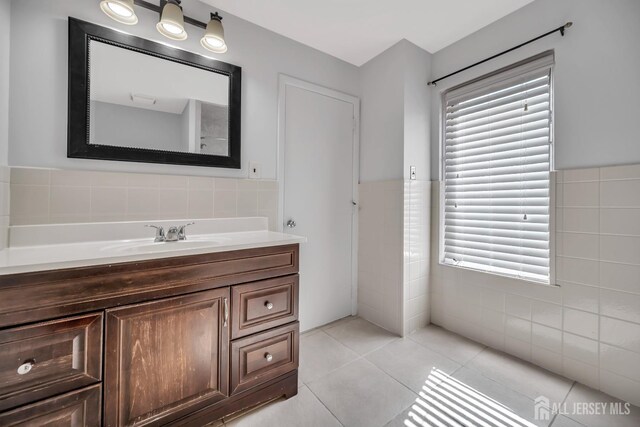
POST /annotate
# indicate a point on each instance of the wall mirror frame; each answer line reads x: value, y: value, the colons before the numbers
x: 79, y: 145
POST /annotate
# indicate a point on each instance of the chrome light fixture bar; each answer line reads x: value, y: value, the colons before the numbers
x: 172, y: 21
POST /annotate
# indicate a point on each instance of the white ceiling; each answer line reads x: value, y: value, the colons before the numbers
x: 358, y: 30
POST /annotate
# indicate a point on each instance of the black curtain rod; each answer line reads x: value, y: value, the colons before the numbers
x: 560, y: 29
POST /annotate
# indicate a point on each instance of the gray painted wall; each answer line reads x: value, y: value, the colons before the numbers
x: 5, y: 29
x: 39, y: 82
x: 596, y: 75
x: 417, y: 107
x: 395, y: 111
x: 125, y: 126
x: 382, y: 122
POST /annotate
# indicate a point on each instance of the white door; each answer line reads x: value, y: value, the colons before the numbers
x: 318, y: 129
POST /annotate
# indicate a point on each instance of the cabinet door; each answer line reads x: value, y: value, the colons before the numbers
x: 166, y: 358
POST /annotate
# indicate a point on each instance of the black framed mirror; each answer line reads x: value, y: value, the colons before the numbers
x: 132, y: 99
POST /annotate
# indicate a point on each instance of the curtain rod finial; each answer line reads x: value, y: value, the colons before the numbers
x: 568, y: 24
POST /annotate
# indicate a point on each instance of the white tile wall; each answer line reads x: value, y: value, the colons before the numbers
x: 588, y: 328
x: 417, y: 210
x: 4, y: 205
x: 47, y: 196
x: 380, y: 254
x: 393, y: 254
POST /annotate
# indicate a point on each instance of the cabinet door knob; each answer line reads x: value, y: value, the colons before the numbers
x: 269, y: 305
x: 269, y: 357
x: 26, y: 367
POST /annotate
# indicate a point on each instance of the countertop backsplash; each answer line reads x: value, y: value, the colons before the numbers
x: 50, y: 196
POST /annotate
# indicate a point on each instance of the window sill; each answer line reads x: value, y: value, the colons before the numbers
x: 507, y: 276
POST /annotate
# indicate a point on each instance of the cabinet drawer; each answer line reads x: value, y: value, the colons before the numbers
x: 263, y: 305
x: 45, y: 359
x: 80, y: 408
x: 260, y: 358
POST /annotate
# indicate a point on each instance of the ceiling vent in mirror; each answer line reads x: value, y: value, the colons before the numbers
x: 143, y: 99
x: 120, y: 10
x: 172, y: 21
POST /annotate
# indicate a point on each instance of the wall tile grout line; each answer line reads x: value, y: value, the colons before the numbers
x: 596, y: 274
x: 153, y: 188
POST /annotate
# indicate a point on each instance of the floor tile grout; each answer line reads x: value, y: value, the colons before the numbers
x: 361, y: 357
x: 376, y: 367
x: 323, y: 404
x: 467, y: 363
x: 373, y: 336
x: 443, y: 354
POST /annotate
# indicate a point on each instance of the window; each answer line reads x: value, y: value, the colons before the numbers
x: 496, y: 171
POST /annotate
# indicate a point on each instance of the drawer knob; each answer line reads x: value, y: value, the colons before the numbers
x: 269, y: 305
x: 26, y: 367
x: 269, y: 357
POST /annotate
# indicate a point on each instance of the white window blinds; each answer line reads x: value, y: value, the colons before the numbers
x: 496, y: 172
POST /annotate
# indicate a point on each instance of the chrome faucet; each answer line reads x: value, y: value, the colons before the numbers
x: 182, y: 235
x: 159, y: 233
x: 174, y: 233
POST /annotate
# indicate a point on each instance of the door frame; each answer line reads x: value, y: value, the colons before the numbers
x: 285, y: 81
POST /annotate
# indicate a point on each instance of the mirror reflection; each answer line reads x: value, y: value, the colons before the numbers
x: 142, y: 101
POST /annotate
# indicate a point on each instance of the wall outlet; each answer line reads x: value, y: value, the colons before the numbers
x: 255, y: 171
x: 412, y: 172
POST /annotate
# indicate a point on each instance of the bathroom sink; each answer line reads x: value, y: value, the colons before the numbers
x: 139, y: 247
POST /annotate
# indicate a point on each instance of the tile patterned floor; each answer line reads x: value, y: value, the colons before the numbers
x: 353, y: 374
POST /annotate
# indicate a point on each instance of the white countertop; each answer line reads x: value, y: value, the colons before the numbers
x: 40, y: 248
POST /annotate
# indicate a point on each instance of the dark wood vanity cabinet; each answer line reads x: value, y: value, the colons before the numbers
x: 175, y: 341
x: 166, y: 358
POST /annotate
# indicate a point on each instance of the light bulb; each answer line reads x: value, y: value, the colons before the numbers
x: 171, y: 23
x: 171, y: 28
x: 213, y: 39
x: 120, y: 11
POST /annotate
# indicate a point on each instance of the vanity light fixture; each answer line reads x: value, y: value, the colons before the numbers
x: 171, y: 23
x: 120, y: 10
x: 172, y: 20
x: 213, y: 39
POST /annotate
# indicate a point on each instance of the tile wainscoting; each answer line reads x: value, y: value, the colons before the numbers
x: 393, y: 254
x: 588, y: 328
x: 417, y: 216
x: 46, y: 196
x: 380, y: 257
